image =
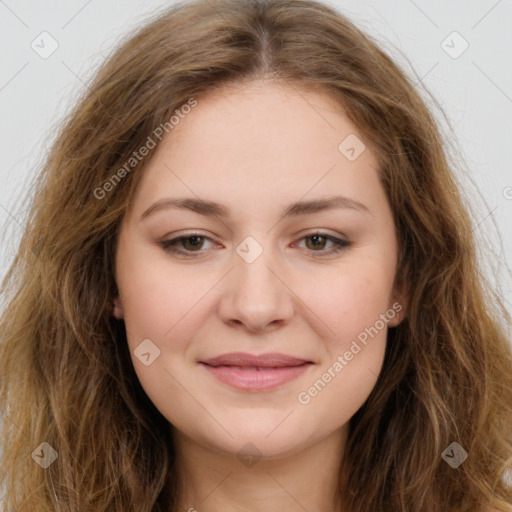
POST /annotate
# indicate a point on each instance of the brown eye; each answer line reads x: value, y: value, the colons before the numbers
x: 315, y: 243
x: 318, y: 241
x: 185, y: 245
x: 190, y: 243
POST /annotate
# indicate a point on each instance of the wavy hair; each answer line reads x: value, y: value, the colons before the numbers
x: 66, y: 377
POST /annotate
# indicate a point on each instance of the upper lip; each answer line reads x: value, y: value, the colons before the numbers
x: 269, y: 360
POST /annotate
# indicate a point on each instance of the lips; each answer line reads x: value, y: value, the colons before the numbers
x: 255, y: 373
x: 244, y: 360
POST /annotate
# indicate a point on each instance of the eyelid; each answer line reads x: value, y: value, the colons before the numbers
x: 322, y: 232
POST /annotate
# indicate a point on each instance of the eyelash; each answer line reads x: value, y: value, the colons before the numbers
x: 340, y: 245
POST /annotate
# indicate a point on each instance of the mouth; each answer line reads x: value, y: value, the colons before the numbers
x: 249, y: 372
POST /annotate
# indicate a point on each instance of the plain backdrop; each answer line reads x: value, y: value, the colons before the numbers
x: 458, y: 50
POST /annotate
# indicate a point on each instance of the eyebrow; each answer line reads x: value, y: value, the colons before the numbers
x: 212, y: 208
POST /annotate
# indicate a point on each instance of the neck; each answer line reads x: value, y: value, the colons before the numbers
x: 307, y: 479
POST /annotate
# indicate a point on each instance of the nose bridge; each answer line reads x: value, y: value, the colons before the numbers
x: 252, y: 265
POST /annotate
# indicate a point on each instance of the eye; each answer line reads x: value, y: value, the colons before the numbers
x: 192, y: 243
x: 184, y: 246
x: 318, y: 241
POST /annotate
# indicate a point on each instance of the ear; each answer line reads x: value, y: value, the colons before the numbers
x: 397, y: 312
x: 398, y: 306
x: 118, y: 308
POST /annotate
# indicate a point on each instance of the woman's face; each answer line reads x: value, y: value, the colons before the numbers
x: 255, y: 169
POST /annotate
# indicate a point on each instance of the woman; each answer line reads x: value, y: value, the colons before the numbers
x: 248, y: 282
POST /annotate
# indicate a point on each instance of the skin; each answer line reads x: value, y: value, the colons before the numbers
x: 256, y: 148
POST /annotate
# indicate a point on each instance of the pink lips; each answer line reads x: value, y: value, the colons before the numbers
x: 249, y: 372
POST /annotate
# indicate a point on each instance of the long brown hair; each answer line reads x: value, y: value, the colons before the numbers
x: 66, y: 378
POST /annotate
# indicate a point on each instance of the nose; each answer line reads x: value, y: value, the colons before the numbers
x: 255, y: 295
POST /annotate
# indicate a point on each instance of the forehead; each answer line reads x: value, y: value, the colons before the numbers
x: 264, y: 114
x: 260, y: 141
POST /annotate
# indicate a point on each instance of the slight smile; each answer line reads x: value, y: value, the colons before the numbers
x: 250, y: 372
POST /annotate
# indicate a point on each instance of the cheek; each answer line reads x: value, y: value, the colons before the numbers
x: 161, y: 302
x: 356, y: 309
x: 162, y: 305
x: 350, y: 301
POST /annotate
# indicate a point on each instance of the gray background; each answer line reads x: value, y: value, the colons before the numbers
x: 474, y: 89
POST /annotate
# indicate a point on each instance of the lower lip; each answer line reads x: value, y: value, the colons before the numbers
x: 256, y: 380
